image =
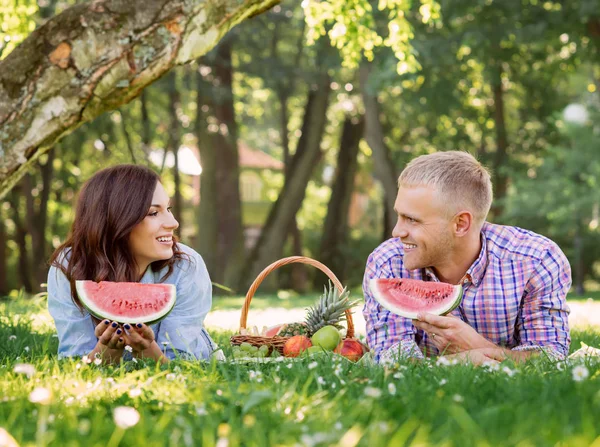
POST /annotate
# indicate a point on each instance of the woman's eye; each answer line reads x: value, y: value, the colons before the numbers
x: 153, y: 214
x: 170, y: 209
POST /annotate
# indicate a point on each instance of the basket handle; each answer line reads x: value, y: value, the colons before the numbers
x: 293, y: 260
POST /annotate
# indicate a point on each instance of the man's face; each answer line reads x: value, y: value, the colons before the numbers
x: 423, y: 227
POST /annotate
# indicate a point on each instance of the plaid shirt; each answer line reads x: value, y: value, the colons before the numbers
x: 514, y: 295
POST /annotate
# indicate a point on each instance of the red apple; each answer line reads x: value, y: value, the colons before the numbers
x: 350, y: 348
x: 295, y: 345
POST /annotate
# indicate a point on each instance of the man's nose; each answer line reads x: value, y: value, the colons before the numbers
x: 399, y: 230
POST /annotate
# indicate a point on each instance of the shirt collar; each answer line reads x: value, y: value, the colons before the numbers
x: 477, y: 269
x: 475, y: 273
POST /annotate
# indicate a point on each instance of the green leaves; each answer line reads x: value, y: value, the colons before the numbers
x: 353, y: 27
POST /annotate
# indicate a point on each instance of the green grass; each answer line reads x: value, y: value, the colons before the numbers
x: 594, y: 296
x: 307, y: 402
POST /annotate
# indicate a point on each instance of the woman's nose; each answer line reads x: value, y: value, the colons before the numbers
x: 172, y: 222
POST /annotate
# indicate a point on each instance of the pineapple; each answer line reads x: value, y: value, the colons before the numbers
x: 291, y: 329
x: 330, y: 310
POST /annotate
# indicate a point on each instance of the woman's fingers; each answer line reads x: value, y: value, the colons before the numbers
x: 109, y: 330
x: 101, y: 327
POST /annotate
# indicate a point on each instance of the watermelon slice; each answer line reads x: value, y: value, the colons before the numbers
x: 127, y: 302
x: 407, y: 297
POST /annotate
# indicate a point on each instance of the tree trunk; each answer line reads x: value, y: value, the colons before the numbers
x: 230, y: 236
x: 270, y: 244
x: 208, y: 226
x: 40, y: 249
x: 24, y: 266
x: 127, y: 137
x: 579, y: 267
x: 3, y: 256
x: 384, y: 168
x: 335, y: 231
x: 94, y: 57
x: 173, y: 145
x: 146, y: 124
x: 501, y: 157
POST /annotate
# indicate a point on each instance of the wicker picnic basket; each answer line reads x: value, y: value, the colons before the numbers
x: 278, y: 342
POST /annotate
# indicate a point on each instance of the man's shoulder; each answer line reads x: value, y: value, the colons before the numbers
x: 387, y: 250
x: 514, y: 243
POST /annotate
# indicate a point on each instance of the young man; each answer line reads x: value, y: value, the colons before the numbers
x: 514, y: 281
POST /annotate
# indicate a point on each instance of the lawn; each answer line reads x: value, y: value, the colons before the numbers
x: 326, y: 401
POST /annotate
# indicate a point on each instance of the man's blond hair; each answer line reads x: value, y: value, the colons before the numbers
x: 461, y: 181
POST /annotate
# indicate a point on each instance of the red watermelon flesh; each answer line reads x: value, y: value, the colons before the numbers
x: 407, y: 297
x: 127, y: 302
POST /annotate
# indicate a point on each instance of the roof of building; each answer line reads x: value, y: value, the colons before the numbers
x: 254, y: 158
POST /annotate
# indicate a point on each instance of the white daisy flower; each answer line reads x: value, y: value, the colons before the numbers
x: 312, y: 365
x: 443, y: 382
x: 580, y: 373
x: 24, y: 368
x: 458, y: 398
x: 128, y: 348
x: 391, y: 388
x: 442, y: 361
x: 372, y: 392
x: 126, y: 417
x: 135, y: 392
x: 42, y: 396
x: 509, y: 372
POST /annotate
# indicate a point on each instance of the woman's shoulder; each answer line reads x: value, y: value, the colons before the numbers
x: 190, y: 259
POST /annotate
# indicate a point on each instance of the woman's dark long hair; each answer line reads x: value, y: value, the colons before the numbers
x: 110, y: 204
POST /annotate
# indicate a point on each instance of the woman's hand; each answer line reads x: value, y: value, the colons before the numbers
x: 110, y: 335
x: 139, y: 336
x: 111, y: 342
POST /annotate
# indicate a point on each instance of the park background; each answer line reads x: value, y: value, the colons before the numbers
x: 276, y: 143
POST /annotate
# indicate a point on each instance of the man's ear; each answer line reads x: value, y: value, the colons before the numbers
x: 463, y: 222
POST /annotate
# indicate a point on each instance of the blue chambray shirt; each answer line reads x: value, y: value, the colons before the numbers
x: 180, y: 335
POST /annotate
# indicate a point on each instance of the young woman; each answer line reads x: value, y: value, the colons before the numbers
x: 124, y: 231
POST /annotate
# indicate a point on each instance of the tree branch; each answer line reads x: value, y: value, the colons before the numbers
x: 94, y: 57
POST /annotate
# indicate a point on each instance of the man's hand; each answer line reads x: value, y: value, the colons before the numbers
x: 451, y: 335
x: 139, y: 336
x: 479, y: 357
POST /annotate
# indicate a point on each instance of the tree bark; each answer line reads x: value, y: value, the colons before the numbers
x: 230, y: 249
x: 208, y: 225
x: 270, y: 244
x: 3, y: 256
x: 94, y: 57
x: 24, y: 266
x: 146, y: 125
x: 40, y: 249
x: 335, y: 231
x: 384, y: 168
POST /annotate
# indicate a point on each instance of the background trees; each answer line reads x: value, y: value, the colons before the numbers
x: 492, y: 78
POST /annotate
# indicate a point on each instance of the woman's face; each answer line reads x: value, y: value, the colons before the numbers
x: 152, y: 239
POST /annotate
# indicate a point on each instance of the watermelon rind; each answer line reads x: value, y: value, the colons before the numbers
x: 149, y: 319
x: 452, y: 303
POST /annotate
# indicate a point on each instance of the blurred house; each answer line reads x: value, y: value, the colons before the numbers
x: 256, y: 167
